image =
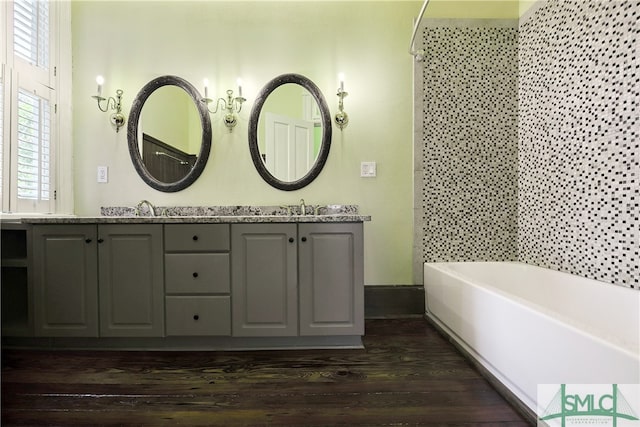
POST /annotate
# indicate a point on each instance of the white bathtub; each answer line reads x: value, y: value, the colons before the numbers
x: 528, y: 325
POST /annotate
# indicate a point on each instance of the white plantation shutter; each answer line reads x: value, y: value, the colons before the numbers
x: 33, y: 165
x: 31, y: 31
x: 29, y: 102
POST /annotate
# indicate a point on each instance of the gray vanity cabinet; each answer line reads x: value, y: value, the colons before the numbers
x: 264, y: 280
x: 331, y: 282
x: 131, y: 280
x: 180, y: 280
x: 65, y: 280
x: 98, y: 280
x: 297, y: 279
x: 197, y: 279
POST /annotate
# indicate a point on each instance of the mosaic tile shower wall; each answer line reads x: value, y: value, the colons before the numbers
x: 468, y: 148
x: 579, y: 124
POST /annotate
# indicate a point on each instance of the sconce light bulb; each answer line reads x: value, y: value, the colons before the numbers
x: 239, y: 81
x: 206, y: 88
x: 341, y: 79
x: 100, y: 81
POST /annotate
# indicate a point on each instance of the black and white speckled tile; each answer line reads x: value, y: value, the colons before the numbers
x: 564, y: 192
x: 579, y: 154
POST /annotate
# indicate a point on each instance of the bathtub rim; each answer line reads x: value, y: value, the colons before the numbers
x: 632, y: 349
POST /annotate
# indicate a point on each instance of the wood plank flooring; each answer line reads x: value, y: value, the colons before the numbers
x: 408, y: 374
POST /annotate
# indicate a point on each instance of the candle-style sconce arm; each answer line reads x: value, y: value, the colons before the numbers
x: 232, y: 105
x: 111, y: 103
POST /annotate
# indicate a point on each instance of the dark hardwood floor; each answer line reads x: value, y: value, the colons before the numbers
x: 407, y: 375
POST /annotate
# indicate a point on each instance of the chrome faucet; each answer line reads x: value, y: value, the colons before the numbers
x: 303, y: 207
x: 150, y: 206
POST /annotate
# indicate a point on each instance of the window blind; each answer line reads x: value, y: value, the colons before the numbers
x: 34, y: 128
x: 31, y: 31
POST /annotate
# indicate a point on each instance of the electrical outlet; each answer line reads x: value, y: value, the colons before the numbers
x: 368, y: 169
x: 103, y: 174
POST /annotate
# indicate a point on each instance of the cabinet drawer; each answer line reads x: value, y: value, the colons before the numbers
x: 197, y: 273
x: 196, y: 237
x: 198, y: 315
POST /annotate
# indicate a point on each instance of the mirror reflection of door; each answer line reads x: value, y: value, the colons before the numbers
x: 169, y: 134
x: 290, y: 132
x: 290, y: 147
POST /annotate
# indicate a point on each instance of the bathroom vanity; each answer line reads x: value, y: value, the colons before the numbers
x: 258, y: 278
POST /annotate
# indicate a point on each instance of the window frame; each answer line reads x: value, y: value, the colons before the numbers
x: 53, y: 84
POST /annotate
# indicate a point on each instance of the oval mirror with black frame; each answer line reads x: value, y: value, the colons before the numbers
x: 169, y: 133
x: 289, y: 132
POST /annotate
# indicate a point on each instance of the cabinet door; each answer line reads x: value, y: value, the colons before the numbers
x: 331, y: 279
x: 65, y: 280
x: 264, y: 280
x: 131, y: 280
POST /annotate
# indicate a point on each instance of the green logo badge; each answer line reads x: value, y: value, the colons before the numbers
x: 589, y: 404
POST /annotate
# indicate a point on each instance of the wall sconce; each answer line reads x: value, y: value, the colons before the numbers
x: 117, y: 118
x: 342, y: 118
x: 231, y: 105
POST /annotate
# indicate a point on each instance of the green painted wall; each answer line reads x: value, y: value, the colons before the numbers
x: 133, y: 42
x: 469, y: 9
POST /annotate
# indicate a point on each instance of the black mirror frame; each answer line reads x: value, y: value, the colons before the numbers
x: 326, y: 132
x: 132, y: 134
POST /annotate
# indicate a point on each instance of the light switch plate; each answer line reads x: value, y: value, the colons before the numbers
x: 103, y: 174
x: 368, y: 169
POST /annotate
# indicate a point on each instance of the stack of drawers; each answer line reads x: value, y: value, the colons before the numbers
x: 197, y: 279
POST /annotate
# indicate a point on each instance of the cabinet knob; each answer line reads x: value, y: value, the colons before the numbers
x: 195, y: 237
x: 196, y: 317
x: 88, y: 240
x: 100, y: 240
x: 291, y: 239
x: 195, y: 274
x: 304, y: 239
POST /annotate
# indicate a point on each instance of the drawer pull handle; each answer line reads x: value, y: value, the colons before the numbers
x: 304, y: 239
x: 195, y: 274
x: 88, y: 241
x: 195, y: 237
x: 100, y: 240
x: 196, y: 317
x: 291, y: 239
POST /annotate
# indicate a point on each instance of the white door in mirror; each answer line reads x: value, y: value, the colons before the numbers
x: 368, y: 169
